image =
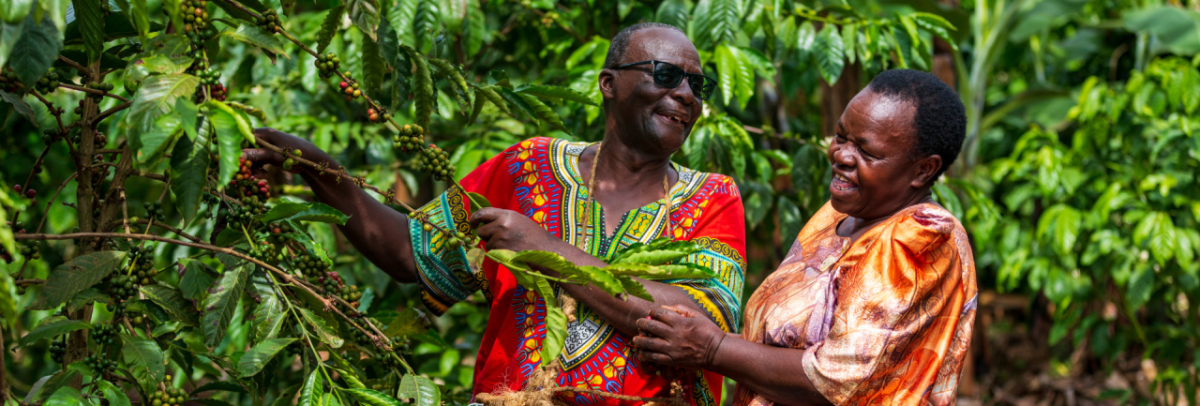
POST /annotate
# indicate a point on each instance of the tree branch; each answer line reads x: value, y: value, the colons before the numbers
x: 111, y: 111
x: 92, y: 91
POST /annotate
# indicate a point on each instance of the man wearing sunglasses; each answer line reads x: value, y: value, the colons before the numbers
x: 585, y: 201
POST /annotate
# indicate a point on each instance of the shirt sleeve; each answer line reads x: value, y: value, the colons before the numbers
x: 443, y: 270
x: 896, y: 315
x: 721, y: 231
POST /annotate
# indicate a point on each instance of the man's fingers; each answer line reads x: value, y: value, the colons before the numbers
x: 484, y: 215
x: 261, y: 156
x: 680, y: 310
x: 667, y: 315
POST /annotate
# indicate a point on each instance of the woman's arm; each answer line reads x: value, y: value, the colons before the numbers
x: 370, y: 222
x: 677, y: 337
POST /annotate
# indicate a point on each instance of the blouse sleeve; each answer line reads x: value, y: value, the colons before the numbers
x: 444, y: 274
x: 899, y: 318
x: 721, y: 231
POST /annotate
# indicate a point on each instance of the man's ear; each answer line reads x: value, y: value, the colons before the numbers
x: 926, y: 170
x: 608, y: 83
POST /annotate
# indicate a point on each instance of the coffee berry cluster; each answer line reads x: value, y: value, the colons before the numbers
x: 327, y: 65
x: 375, y: 117
x: 195, y: 16
x: 309, y: 265
x: 269, y: 22
x: 58, y: 348
x: 99, y: 364
x: 436, y: 161
x: 49, y: 82
x: 9, y: 82
x: 350, y: 89
x: 154, y: 210
x: 170, y: 397
x: 101, y: 86
x: 411, y: 137
x: 289, y: 162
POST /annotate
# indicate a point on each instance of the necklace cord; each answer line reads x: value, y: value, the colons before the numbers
x: 589, y: 207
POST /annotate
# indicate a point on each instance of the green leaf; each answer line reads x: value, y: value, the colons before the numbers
x: 140, y: 18
x: 50, y: 385
x: 222, y: 301
x: 351, y: 379
x: 934, y: 24
x: 270, y: 314
x: 51, y: 330
x: 408, y: 323
x: 35, y: 50
x: 389, y: 45
x: 373, y: 66
x: 651, y: 272
x: 329, y: 27
x: 197, y: 278
x: 321, y: 213
x: 231, y: 128
x: 251, y: 34
x: 673, y: 12
x: 491, y: 93
x: 14, y: 11
x: 657, y: 257
x: 556, y: 333
x: 556, y: 92
x: 325, y: 332
x: 365, y: 15
x: 727, y: 72
x: 635, y: 288
x: 544, y: 112
x: 144, y: 358
x: 1158, y: 232
x: 401, y: 16
x: 850, y: 41
x: 156, y: 97
x: 421, y: 390
x: 454, y: 76
x: 189, y: 115
x: 830, y: 53
x: 373, y: 398
x: 218, y: 385
x: 91, y: 24
x: 423, y: 87
x: 717, y: 21
x: 426, y: 23
x: 255, y: 359
x: 20, y: 106
x: 87, y: 298
x: 311, y: 393
x: 189, y: 166
x: 66, y: 396
x: 745, y: 77
x: 1140, y: 287
x: 171, y: 300
x: 114, y: 395
x: 78, y: 274
x: 478, y: 201
x: 282, y: 210
x: 152, y: 145
x: 475, y: 31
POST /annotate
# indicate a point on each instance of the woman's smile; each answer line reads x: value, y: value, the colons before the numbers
x: 841, y: 186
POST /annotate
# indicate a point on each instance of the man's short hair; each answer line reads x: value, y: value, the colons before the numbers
x: 940, y: 122
x: 620, y: 43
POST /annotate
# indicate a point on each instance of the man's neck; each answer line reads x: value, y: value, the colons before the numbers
x: 628, y: 166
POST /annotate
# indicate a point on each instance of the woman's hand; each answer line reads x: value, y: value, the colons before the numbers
x: 509, y: 230
x: 678, y: 336
x: 262, y: 156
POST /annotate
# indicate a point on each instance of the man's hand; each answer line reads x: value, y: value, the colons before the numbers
x: 262, y: 156
x: 678, y: 336
x: 509, y: 230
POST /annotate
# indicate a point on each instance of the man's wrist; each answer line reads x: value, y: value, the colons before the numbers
x: 714, y: 349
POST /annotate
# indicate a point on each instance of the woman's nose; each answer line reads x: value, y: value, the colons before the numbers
x: 842, y: 157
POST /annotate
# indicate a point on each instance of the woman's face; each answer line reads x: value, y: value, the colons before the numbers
x: 875, y: 171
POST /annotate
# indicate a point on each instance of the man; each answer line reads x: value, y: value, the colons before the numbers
x: 543, y: 191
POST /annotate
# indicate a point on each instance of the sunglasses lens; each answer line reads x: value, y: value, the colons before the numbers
x: 702, y: 86
x: 668, y: 76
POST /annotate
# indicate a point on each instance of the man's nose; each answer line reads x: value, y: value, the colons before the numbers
x: 683, y: 93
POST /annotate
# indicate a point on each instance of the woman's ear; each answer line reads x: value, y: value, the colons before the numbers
x: 926, y: 170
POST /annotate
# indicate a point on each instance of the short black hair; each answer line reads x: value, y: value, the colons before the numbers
x: 620, y: 43
x: 941, y: 120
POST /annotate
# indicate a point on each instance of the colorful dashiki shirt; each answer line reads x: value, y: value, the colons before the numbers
x: 883, y: 320
x: 540, y: 178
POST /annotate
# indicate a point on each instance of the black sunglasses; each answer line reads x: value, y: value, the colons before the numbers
x: 670, y: 76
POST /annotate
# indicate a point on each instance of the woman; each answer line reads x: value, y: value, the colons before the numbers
x: 875, y: 301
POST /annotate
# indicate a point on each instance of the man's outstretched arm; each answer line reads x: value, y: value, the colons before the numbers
x: 377, y: 231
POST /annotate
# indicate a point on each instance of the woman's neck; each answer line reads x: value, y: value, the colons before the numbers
x: 854, y: 227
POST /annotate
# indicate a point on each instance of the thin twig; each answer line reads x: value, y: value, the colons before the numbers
x: 92, y: 91
x: 110, y: 112
x: 75, y: 65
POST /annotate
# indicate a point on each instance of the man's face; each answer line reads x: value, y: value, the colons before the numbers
x: 648, y: 117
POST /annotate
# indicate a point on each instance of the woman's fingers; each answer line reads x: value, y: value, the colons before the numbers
x: 652, y: 344
x: 654, y: 327
x: 262, y: 156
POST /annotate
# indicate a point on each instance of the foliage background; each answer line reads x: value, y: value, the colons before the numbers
x: 1077, y: 182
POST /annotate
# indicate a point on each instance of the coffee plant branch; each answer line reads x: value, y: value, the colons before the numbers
x: 74, y: 64
x: 93, y: 91
x: 287, y: 278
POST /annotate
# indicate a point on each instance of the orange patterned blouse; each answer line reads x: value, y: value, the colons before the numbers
x: 886, y: 319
